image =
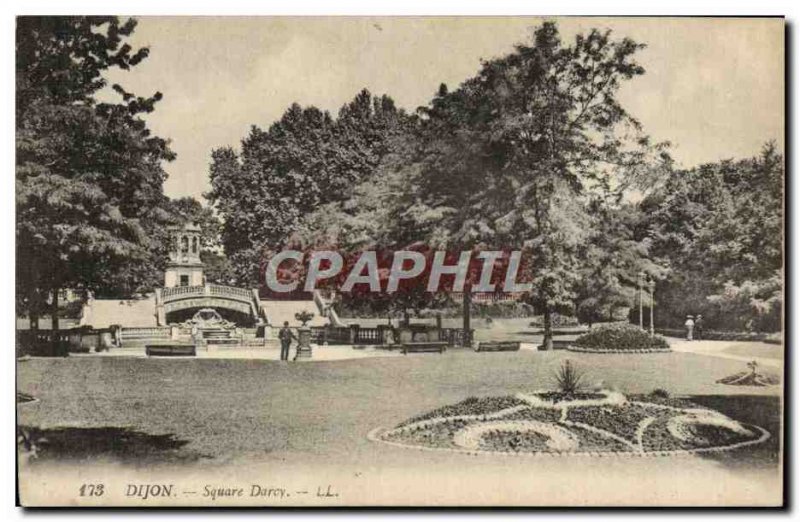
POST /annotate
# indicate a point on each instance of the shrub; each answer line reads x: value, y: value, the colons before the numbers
x: 620, y: 336
x: 660, y: 393
x: 568, y: 377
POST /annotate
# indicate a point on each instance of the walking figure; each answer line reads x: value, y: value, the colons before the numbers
x: 689, y: 324
x: 698, y: 327
x: 285, y: 336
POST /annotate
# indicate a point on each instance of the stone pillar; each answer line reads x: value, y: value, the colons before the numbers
x: 104, y: 342
x: 161, y: 316
x: 303, y: 343
x: 267, y: 333
x: 116, y: 334
x: 353, y: 333
x: 76, y: 338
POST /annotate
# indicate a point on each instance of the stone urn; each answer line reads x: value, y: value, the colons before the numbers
x: 303, y: 335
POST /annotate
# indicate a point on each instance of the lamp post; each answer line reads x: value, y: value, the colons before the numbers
x: 641, y: 319
x: 652, y: 293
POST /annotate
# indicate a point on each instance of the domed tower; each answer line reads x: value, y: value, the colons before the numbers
x: 184, y: 267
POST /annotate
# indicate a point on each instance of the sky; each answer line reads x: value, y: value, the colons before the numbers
x: 714, y: 88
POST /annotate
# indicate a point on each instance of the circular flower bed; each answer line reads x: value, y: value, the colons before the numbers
x: 619, y: 338
x: 552, y: 423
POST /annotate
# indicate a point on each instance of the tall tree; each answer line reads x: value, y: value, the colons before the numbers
x: 304, y: 161
x: 507, y: 159
x: 89, y: 179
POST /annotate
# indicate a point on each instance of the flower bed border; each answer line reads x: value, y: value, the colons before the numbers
x: 375, y: 436
x: 580, y: 349
x: 611, y: 397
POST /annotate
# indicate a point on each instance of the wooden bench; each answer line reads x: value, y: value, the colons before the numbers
x: 170, y: 349
x: 424, y: 347
x: 498, y: 346
x: 228, y: 341
x: 558, y: 344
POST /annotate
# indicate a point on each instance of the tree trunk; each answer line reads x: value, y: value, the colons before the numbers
x: 547, y: 342
x: 54, y: 321
x: 33, y: 311
x: 467, y: 305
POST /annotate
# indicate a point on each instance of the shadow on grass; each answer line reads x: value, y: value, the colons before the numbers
x: 763, y: 411
x: 121, y: 445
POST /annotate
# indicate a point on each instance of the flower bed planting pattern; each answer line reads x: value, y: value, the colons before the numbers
x: 551, y: 423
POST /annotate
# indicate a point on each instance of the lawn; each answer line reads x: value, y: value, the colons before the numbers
x: 144, y: 411
x: 765, y: 350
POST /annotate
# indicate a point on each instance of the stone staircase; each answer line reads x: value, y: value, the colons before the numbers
x: 220, y: 336
x: 279, y: 311
x: 102, y: 313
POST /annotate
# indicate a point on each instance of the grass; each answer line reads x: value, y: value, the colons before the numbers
x: 765, y: 350
x: 320, y: 411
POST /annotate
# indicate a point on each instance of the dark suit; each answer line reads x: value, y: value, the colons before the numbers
x: 698, y: 329
x: 285, y: 335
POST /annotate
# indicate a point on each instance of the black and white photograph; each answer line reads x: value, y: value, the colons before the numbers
x: 399, y: 261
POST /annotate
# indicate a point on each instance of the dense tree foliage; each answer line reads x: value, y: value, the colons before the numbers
x: 613, y: 262
x: 720, y: 228
x: 89, y: 200
x: 535, y: 153
x: 510, y: 158
x: 303, y: 161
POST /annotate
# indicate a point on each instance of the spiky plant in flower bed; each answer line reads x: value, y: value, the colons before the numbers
x: 568, y: 378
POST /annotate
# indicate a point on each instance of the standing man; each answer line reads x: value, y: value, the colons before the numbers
x: 698, y: 327
x: 689, y: 324
x: 285, y: 336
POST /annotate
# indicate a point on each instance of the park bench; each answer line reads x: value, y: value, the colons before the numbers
x: 558, y: 344
x: 498, y: 346
x: 231, y: 341
x: 170, y: 349
x: 424, y: 347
